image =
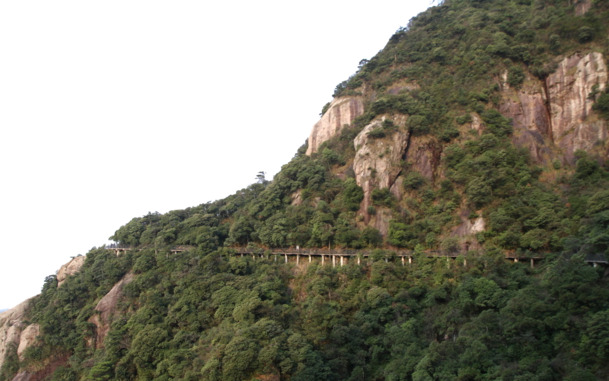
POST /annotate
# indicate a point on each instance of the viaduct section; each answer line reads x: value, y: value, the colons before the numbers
x: 341, y: 257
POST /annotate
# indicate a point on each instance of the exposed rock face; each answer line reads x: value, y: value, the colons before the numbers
x: 582, y: 7
x: 382, y: 163
x: 467, y: 231
x: 11, y: 327
x: 106, y: 307
x: 476, y: 123
x: 469, y: 227
x: 23, y: 376
x: 28, y: 337
x: 530, y: 117
x: 69, y: 269
x: 423, y: 156
x: 15, y: 333
x: 568, y: 90
x: 378, y: 162
x: 554, y: 118
x: 342, y: 112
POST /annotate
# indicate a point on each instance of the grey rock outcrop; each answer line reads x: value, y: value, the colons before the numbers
x: 105, y: 309
x: 378, y: 162
x: 15, y: 332
x: 69, y: 269
x: 342, y: 112
x: 554, y: 118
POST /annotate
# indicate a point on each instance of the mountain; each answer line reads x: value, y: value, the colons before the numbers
x: 447, y: 219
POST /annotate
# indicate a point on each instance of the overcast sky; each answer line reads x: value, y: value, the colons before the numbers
x: 113, y: 109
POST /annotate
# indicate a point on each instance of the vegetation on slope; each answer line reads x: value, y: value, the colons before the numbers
x: 214, y: 316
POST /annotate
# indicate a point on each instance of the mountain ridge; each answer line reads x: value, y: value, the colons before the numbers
x: 480, y: 129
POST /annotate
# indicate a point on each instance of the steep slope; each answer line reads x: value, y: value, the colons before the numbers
x: 478, y: 133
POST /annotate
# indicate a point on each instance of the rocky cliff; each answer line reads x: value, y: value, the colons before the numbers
x: 342, y: 112
x: 69, y: 269
x: 434, y: 141
x: 105, y: 310
x: 553, y: 118
x: 582, y: 7
x: 16, y: 335
x: 377, y: 162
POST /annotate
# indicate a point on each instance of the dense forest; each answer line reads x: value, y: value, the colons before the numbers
x: 204, y: 313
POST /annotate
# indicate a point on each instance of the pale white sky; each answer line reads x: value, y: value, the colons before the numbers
x: 112, y: 109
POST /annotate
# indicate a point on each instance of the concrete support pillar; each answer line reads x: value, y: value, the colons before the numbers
x: 448, y: 262
x: 275, y: 257
x: 286, y: 258
x: 297, y: 259
x: 594, y: 264
x: 515, y: 260
x: 403, y: 261
x: 386, y: 260
x: 410, y: 260
x: 359, y: 262
x: 309, y: 258
x: 341, y: 261
x: 333, y: 260
x: 241, y: 255
x: 464, y: 262
x: 532, y: 263
x: 254, y: 256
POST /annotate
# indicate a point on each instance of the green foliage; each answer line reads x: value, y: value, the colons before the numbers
x: 463, y: 119
x: 602, y: 104
x: 418, y: 125
x: 10, y: 365
x: 372, y: 237
x: 516, y: 76
x: 330, y: 157
x: 205, y: 313
x: 352, y: 195
x: 382, y: 197
x: 324, y: 109
x: 413, y: 180
x: 496, y: 123
x: 376, y: 133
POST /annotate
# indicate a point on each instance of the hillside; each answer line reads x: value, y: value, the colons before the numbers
x: 471, y: 147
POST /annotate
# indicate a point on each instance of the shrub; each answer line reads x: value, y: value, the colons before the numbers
x: 413, y: 180
x: 352, y: 195
x: 418, y: 125
x: 450, y: 245
x: 376, y: 133
x: 602, y: 105
x: 555, y: 43
x: 515, y: 76
x: 382, y: 197
x: 330, y: 157
x: 371, y: 236
x: 448, y: 133
x: 467, y: 118
x: 585, y: 34
x: 324, y: 109
x: 496, y: 123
